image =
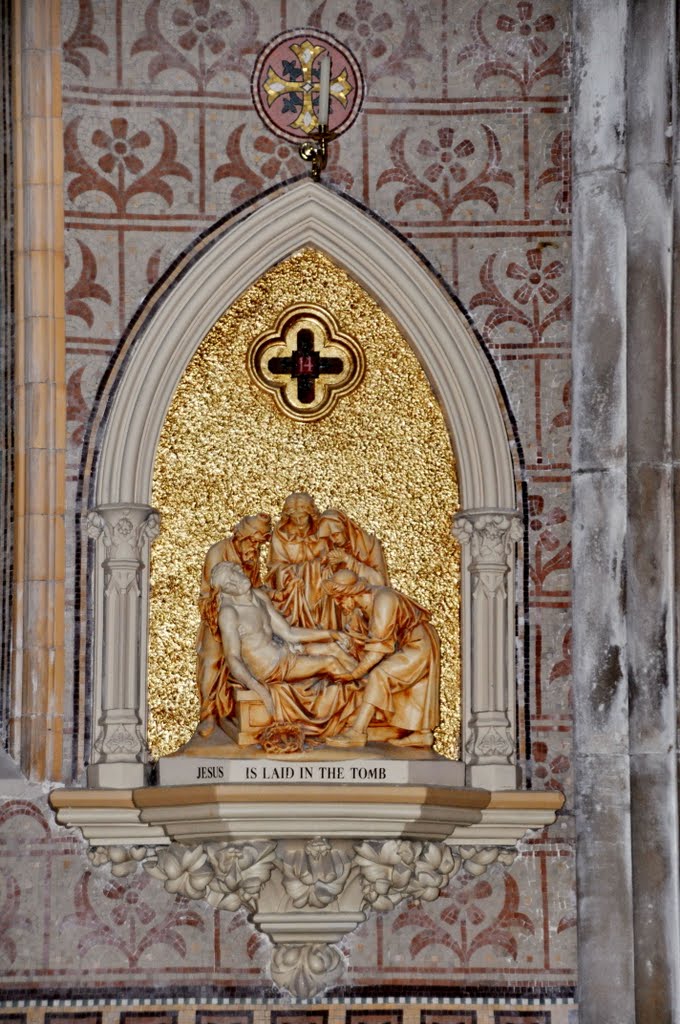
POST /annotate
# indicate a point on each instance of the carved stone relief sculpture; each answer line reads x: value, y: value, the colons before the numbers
x: 318, y: 653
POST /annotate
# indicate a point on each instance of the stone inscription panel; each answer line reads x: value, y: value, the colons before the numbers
x: 189, y: 771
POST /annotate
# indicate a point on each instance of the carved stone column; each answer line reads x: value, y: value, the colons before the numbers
x: 122, y: 534
x: 488, y: 538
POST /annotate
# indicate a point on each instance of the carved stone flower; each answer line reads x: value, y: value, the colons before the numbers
x: 432, y: 871
x: 99, y: 856
x: 317, y: 848
x: 125, y: 860
x: 200, y: 26
x: 124, y: 527
x: 183, y: 869
x: 239, y: 871
x: 387, y: 871
x: 315, y: 874
x: 306, y: 968
x: 120, y: 149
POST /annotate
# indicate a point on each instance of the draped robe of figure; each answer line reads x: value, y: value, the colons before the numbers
x: 321, y: 707
x: 404, y: 684
x: 362, y: 551
x: 297, y: 565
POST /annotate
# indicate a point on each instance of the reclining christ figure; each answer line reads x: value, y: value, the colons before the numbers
x: 261, y: 649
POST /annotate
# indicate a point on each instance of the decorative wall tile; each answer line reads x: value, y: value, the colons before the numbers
x: 516, y: 50
x: 364, y: 949
x: 74, y: 1017
x: 395, y: 47
x: 84, y: 370
x: 370, y: 1016
x: 89, y: 34
x: 521, y: 1017
x: 551, y: 665
x: 562, y: 909
x: 23, y: 920
x: 519, y: 296
x: 145, y: 253
x: 408, y: 1011
x: 316, y: 1016
x: 242, y: 954
x: 149, y: 1017
x: 92, y: 283
x: 224, y: 1017
x: 244, y: 159
x: 131, y: 160
x: 550, y: 178
x: 447, y: 170
x: 448, y: 1017
x: 205, y: 46
x: 549, y: 552
x: 123, y: 925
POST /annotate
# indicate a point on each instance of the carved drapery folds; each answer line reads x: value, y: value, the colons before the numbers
x: 305, y: 894
x: 122, y: 534
x: 488, y: 538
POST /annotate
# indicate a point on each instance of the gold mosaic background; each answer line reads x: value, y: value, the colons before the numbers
x: 383, y: 455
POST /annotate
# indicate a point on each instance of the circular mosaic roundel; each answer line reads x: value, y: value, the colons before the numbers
x: 285, y: 84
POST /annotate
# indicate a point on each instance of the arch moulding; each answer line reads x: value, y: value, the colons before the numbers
x: 208, y: 281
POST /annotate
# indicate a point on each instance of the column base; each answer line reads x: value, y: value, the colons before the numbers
x: 492, y: 776
x: 116, y: 775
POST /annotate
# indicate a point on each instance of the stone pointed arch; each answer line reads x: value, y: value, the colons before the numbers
x: 221, y: 266
x: 307, y: 214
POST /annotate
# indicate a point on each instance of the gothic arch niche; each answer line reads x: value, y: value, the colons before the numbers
x: 308, y: 216
x: 382, y: 455
x: 433, y: 822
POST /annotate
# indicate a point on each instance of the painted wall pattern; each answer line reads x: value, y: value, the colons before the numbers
x: 462, y: 145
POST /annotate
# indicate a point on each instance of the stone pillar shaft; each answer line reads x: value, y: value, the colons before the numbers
x: 122, y: 534
x: 624, y: 460
x: 489, y: 537
x: 36, y: 713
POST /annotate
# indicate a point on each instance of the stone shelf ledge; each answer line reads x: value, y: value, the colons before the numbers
x: 308, y: 861
x: 158, y: 815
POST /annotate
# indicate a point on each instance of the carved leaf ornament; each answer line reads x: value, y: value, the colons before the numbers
x: 343, y: 879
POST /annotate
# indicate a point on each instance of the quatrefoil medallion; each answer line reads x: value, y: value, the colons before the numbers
x: 306, y: 363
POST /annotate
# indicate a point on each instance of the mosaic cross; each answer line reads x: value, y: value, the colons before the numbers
x: 300, y: 86
x: 306, y: 363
